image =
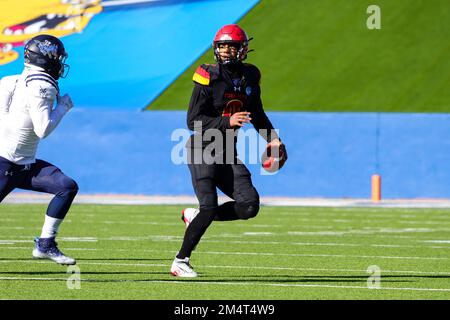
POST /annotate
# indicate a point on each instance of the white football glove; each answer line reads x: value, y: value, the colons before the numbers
x: 65, y: 102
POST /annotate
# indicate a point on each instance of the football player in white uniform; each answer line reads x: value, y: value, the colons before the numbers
x: 30, y: 109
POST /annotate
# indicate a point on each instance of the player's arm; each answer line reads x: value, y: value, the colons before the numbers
x: 41, y: 98
x: 5, y: 98
x: 201, y: 110
x: 265, y: 128
x: 261, y: 121
x: 259, y: 118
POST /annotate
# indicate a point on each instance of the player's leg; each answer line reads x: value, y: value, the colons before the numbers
x: 45, y: 177
x: 235, y: 181
x: 8, y: 178
x: 225, y: 182
x: 205, y: 189
x: 245, y: 194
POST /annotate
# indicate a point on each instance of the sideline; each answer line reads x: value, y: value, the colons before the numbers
x: 125, y: 199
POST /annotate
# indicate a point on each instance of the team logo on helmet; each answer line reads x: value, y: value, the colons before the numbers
x: 47, y: 48
x: 225, y: 37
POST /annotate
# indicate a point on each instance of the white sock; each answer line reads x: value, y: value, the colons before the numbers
x: 51, y: 226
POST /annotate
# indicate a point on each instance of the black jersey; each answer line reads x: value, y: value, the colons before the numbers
x: 219, y: 92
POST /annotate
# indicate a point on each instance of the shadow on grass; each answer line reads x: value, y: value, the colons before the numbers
x: 34, y: 273
x: 169, y: 277
x: 349, y: 277
x: 280, y: 279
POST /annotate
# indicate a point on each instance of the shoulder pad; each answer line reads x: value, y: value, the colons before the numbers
x: 202, y: 75
x: 42, y: 85
x: 253, y: 71
x: 9, y: 82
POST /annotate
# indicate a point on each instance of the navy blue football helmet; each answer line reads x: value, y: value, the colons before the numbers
x: 47, y: 52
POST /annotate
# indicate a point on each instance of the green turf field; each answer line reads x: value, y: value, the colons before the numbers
x: 319, y: 55
x: 125, y: 252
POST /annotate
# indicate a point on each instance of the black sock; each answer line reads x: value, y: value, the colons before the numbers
x: 195, y: 231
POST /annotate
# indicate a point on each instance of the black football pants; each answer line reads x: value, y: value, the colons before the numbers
x: 234, y: 180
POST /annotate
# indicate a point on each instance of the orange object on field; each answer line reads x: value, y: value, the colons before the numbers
x: 376, y: 187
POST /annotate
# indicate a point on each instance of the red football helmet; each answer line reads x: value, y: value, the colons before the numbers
x: 231, y: 33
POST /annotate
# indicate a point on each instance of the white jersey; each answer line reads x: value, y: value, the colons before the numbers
x: 27, y: 114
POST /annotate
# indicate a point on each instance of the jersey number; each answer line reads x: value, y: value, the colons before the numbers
x: 232, y: 107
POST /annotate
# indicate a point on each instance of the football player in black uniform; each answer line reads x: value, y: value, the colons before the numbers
x: 226, y: 96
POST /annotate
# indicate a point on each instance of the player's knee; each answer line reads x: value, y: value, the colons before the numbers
x: 69, y: 187
x: 247, y: 210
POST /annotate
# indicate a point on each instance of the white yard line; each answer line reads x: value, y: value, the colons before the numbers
x: 68, y: 239
x: 369, y: 231
x: 250, y: 283
x: 344, y: 256
x: 65, y: 249
x: 423, y: 243
x: 435, y: 241
x: 271, y: 226
x: 319, y: 255
x: 258, y: 233
x: 116, y: 264
x: 246, y: 242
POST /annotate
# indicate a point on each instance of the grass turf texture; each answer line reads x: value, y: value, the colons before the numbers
x: 125, y: 252
x: 320, y: 56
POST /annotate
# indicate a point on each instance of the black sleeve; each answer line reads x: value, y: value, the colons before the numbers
x: 201, y: 109
x: 259, y: 118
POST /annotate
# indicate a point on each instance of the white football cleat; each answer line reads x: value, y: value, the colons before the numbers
x: 189, y: 214
x: 47, y: 248
x: 181, y: 268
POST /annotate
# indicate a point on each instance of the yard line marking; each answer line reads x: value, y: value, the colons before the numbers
x: 261, y: 242
x: 270, y: 268
x: 13, y: 228
x: 261, y: 254
x: 320, y: 255
x: 338, y: 219
x: 66, y: 249
x: 435, y: 241
x: 174, y: 223
x: 230, y: 283
x: 78, y: 239
x: 312, y: 285
x: 258, y: 233
x: 332, y: 211
x: 68, y: 239
x: 323, y: 233
x: 369, y: 231
x: 145, y: 238
x: 364, y: 271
